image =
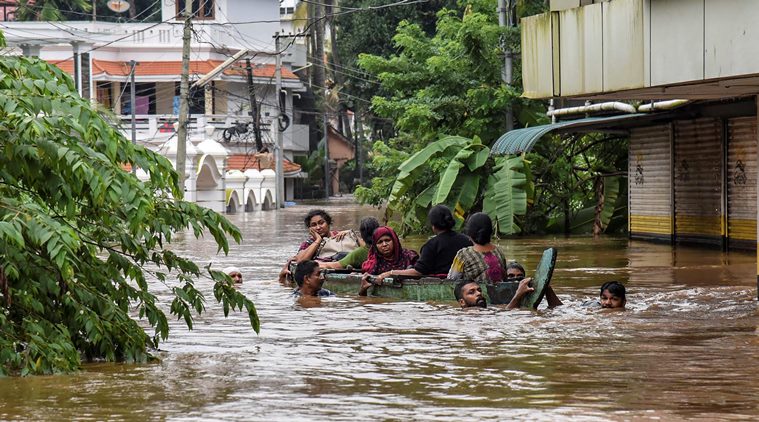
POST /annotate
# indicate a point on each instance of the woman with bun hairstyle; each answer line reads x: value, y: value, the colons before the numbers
x: 483, y: 262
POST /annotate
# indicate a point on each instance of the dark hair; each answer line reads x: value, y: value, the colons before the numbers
x: 441, y: 218
x: 516, y: 265
x: 313, y: 213
x: 367, y: 227
x: 479, y: 227
x: 614, y: 287
x: 459, y: 287
x: 303, y: 269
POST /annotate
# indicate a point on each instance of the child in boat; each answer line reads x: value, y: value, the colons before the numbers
x: 386, y: 254
x: 357, y: 257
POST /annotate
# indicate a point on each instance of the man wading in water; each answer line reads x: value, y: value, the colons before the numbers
x: 310, y: 280
x: 469, y: 294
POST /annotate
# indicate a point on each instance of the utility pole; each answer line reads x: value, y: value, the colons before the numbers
x: 254, y: 113
x: 132, y: 99
x: 94, y: 10
x: 280, y: 151
x: 505, y: 20
x: 184, y: 88
x: 327, y: 178
x: 359, y: 140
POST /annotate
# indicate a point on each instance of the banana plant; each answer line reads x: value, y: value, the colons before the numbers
x: 460, y: 173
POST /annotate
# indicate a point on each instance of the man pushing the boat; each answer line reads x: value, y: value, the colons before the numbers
x: 469, y: 294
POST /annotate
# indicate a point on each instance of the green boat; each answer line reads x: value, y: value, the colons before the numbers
x: 440, y: 289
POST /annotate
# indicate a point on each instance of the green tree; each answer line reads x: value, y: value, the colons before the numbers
x: 448, y: 83
x: 80, y: 238
x: 50, y: 10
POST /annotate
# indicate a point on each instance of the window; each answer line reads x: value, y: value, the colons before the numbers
x: 201, y: 9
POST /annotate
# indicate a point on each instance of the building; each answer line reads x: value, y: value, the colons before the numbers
x: 100, y: 57
x: 689, y: 73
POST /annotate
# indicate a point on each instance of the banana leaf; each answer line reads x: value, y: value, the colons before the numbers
x: 449, y: 176
x: 611, y: 193
x: 416, y: 162
x: 505, y: 195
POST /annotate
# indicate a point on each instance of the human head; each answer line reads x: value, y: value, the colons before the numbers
x: 233, y: 273
x: 469, y: 294
x: 613, y: 295
x: 389, y: 251
x: 319, y: 220
x: 441, y: 218
x: 308, y: 272
x: 479, y: 227
x: 514, y: 271
x: 367, y: 227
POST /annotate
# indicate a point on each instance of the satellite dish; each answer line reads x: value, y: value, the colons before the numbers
x: 118, y: 6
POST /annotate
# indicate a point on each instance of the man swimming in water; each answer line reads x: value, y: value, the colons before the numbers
x: 613, y: 295
x: 469, y: 295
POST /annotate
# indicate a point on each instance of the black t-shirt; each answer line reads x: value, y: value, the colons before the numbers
x: 438, y: 253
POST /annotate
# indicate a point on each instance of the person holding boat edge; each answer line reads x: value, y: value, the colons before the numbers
x: 469, y: 294
x: 437, y: 254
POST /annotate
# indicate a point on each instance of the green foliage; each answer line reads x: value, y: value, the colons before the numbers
x: 77, y: 232
x: 455, y: 166
x: 81, y: 10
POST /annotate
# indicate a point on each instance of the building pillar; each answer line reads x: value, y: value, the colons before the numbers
x: 31, y: 50
x: 209, y: 99
x: 116, y: 95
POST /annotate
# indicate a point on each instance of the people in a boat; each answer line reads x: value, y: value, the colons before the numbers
x: 233, y: 273
x: 356, y: 258
x: 469, y: 294
x: 310, y: 280
x: 323, y: 243
x: 484, y: 261
x: 613, y: 295
x: 386, y: 255
x: 437, y: 254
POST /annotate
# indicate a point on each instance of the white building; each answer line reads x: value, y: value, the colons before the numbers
x: 99, y: 54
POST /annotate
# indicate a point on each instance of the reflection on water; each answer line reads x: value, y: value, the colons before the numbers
x: 686, y: 347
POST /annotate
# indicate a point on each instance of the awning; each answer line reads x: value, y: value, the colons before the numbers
x: 523, y: 140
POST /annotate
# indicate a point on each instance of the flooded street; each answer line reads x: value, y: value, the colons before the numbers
x: 687, y: 346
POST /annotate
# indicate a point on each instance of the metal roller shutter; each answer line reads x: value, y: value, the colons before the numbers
x: 650, y: 182
x: 741, y: 182
x: 698, y: 181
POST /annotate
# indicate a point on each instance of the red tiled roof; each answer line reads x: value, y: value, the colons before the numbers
x: 158, y: 68
x: 261, y: 161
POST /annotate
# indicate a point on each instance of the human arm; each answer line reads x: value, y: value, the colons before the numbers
x: 310, y: 251
x: 523, y: 289
x: 335, y: 265
x: 457, y: 268
x: 552, y: 298
x: 365, y: 285
x: 411, y: 272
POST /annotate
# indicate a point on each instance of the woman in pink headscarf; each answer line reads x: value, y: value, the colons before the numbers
x: 386, y: 254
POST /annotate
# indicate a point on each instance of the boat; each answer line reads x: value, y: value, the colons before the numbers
x: 346, y: 282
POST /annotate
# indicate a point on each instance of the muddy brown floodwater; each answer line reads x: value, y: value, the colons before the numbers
x: 687, y: 346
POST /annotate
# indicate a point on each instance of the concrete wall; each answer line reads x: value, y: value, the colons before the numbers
x: 637, y: 44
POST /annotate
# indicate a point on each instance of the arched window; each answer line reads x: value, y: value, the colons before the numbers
x: 201, y: 9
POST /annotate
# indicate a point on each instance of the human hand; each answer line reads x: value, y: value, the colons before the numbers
x: 365, y: 285
x: 315, y: 234
x: 380, y: 278
x: 524, y: 287
x: 341, y: 235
